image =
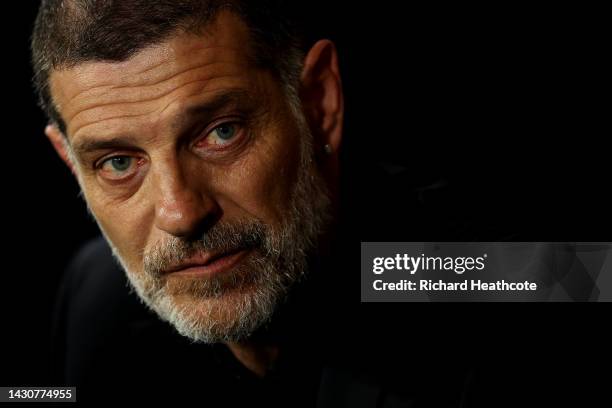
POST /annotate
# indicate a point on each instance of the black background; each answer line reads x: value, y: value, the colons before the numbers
x: 505, y: 104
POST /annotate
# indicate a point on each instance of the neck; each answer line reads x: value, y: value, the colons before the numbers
x: 257, y: 357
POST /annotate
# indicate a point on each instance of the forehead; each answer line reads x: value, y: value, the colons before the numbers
x: 186, y: 63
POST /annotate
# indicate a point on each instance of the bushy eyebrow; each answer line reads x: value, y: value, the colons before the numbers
x: 205, y: 110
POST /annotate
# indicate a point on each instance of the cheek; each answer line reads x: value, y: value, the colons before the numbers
x: 261, y: 183
x: 125, y: 224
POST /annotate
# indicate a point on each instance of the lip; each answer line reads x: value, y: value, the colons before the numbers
x: 209, y: 264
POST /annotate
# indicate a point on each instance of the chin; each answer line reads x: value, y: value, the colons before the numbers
x: 230, y: 317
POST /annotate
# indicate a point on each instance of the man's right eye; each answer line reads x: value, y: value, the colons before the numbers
x: 118, y: 167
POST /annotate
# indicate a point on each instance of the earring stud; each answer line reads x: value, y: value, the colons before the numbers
x: 328, y: 149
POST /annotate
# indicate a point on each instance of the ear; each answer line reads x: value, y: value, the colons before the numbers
x: 321, y: 95
x: 60, y: 144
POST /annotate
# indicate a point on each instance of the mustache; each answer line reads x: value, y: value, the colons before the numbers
x: 222, y: 237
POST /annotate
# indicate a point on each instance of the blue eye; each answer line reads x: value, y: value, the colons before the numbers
x: 223, y: 133
x: 120, y: 163
x: 120, y: 167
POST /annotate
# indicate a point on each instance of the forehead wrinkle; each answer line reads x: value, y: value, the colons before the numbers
x: 168, y: 91
x: 138, y: 78
x: 198, y: 92
x: 88, y: 125
x: 143, y: 85
x: 92, y: 71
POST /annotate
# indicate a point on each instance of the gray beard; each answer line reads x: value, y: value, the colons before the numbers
x: 232, y: 306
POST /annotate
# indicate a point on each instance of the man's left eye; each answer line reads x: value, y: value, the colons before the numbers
x: 222, y: 134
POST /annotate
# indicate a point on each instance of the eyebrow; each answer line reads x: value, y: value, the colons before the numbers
x: 237, y: 97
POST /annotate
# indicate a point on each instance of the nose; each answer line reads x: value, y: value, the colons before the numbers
x: 183, y: 207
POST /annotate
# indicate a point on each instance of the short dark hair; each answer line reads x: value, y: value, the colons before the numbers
x: 69, y: 32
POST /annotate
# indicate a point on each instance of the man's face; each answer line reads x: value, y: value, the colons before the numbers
x: 198, y: 169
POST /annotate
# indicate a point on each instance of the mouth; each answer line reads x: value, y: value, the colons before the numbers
x: 209, y: 264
